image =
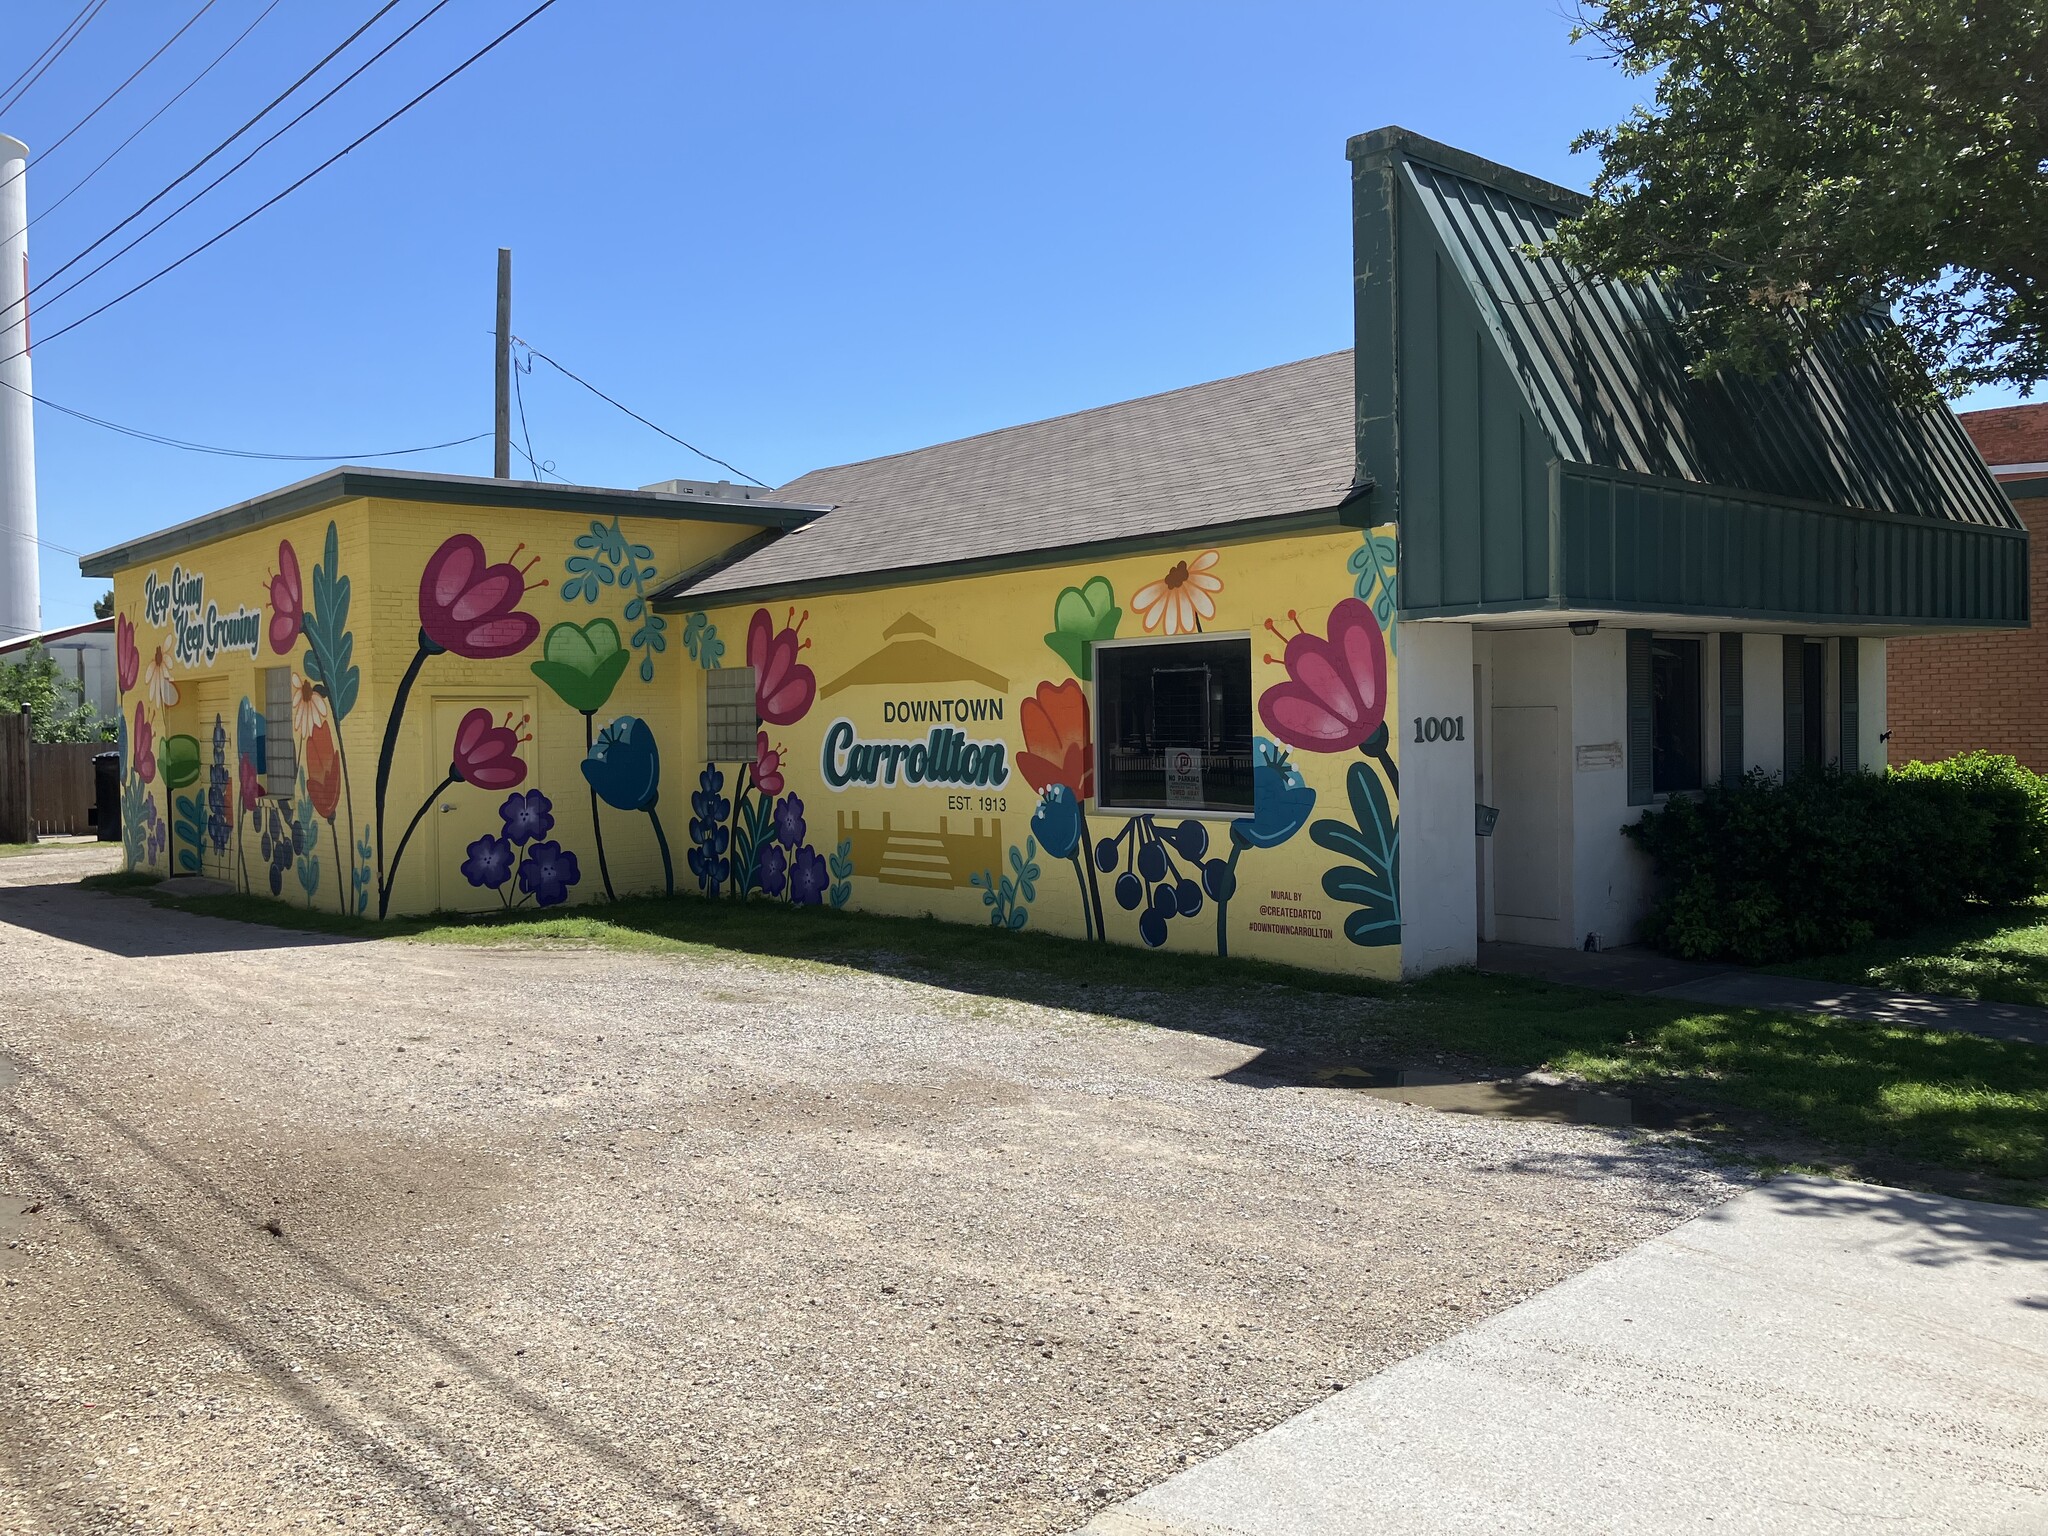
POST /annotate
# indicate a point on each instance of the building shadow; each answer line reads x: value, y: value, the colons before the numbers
x: 133, y: 927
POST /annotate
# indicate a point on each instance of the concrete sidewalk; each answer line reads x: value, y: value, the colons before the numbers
x: 1654, y: 975
x: 1811, y: 1357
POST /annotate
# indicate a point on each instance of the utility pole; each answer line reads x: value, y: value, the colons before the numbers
x: 501, y: 459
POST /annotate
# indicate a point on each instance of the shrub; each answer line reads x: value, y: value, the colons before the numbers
x: 1769, y: 869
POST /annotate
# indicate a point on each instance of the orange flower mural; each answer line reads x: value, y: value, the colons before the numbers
x: 1182, y: 598
x: 1057, y: 748
x: 323, y: 770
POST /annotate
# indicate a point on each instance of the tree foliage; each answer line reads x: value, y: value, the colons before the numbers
x: 1807, y: 161
x: 56, y: 705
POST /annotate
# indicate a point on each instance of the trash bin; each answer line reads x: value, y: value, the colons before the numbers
x: 106, y: 796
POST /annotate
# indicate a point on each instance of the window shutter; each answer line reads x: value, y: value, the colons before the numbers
x: 1732, y: 758
x: 1641, y: 773
x: 1852, y: 757
x: 1795, y: 703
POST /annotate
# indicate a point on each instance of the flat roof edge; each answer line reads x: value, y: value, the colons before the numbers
x: 353, y: 483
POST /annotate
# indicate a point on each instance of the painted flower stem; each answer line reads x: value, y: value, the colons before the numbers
x: 1375, y: 748
x: 384, y: 755
x: 341, y: 896
x: 1094, y: 892
x: 668, y: 867
x: 1223, y: 904
x: 1081, y: 878
x: 596, y: 822
x: 384, y: 887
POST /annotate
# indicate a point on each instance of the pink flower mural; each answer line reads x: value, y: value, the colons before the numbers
x: 470, y: 606
x: 1335, y: 695
x: 783, y: 686
x: 287, y: 601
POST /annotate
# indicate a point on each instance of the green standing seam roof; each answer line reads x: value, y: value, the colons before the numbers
x: 1542, y: 444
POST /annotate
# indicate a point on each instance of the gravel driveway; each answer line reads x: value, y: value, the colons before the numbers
x: 395, y: 1237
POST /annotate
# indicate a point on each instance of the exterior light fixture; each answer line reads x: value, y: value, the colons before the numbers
x: 1584, y: 627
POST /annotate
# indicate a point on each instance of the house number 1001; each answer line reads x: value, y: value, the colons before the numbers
x: 1440, y: 728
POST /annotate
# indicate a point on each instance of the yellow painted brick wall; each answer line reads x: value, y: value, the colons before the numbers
x: 944, y: 849
x: 381, y: 550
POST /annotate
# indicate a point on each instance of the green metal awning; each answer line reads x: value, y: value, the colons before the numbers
x: 1540, y: 442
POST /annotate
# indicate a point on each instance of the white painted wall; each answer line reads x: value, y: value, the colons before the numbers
x: 1439, y: 906
x: 1870, y: 705
x: 1763, y: 702
x: 1610, y: 878
x: 1530, y: 670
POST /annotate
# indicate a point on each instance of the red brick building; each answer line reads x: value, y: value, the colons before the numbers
x: 1989, y: 691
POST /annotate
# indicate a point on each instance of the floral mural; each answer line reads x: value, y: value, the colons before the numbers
x: 468, y: 607
x: 1335, y: 700
x: 522, y: 863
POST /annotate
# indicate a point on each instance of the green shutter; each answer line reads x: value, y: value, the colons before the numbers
x: 1731, y: 709
x: 1852, y: 757
x: 1795, y: 703
x: 1641, y: 774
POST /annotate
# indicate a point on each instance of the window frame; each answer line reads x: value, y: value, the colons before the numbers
x: 726, y: 678
x: 1706, y: 681
x: 279, y: 745
x: 1101, y: 741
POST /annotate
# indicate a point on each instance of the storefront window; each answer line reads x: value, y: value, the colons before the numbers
x: 1174, y: 719
x: 1677, y: 748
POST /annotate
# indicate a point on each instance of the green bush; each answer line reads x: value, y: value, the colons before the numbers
x: 1768, y: 869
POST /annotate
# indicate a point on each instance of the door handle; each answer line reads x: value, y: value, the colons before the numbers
x: 447, y: 805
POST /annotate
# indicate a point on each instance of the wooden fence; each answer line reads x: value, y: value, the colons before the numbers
x: 46, y: 788
x: 15, y: 825
x: 60, y: 788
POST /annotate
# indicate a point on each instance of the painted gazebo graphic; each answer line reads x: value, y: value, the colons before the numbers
x: 934, y: 858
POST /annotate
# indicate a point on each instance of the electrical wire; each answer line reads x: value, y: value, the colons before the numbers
x: 47, y: 57
x: 44, y: 154
x: 58, y: 202
x: 32, y: 63
x: 519, y: 394
x: 281, y: 196
x: 193, y: 169
x: 237, y: 453
x: 224, y: 175
x: 664, y: 431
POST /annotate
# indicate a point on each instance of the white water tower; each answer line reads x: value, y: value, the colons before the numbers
x: 21, y: 599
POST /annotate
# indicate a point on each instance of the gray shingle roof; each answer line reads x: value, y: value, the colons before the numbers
x: 1254, y: 446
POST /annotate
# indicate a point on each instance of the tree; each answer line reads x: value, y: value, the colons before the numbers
x: 103, y: 605
x: 1808, y: 161
x: 56, y: 705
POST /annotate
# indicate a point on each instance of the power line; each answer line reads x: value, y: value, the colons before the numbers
x: 52, y: 54
x: 44, y: 154
x: 237, y: 453
x: 32, y: 63
x: 223, y: 144
x: 519, y: 394
x: 281, y: 196
x: 52, y: 207
x: 224, y: 175
x: 664, y: 431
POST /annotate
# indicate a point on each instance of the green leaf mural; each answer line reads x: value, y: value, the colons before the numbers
x: 1373, y: 564
x: 330, y: 647
x: 1081, y: 616
x: 583, y: 663
x: 179, y: 761
x: 188, y: 829
x: 1373, y: 882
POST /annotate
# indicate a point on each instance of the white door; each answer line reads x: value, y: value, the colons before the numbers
x: 1527, y: 778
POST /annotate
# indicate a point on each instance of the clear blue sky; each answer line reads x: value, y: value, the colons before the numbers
x: 794, y: 234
